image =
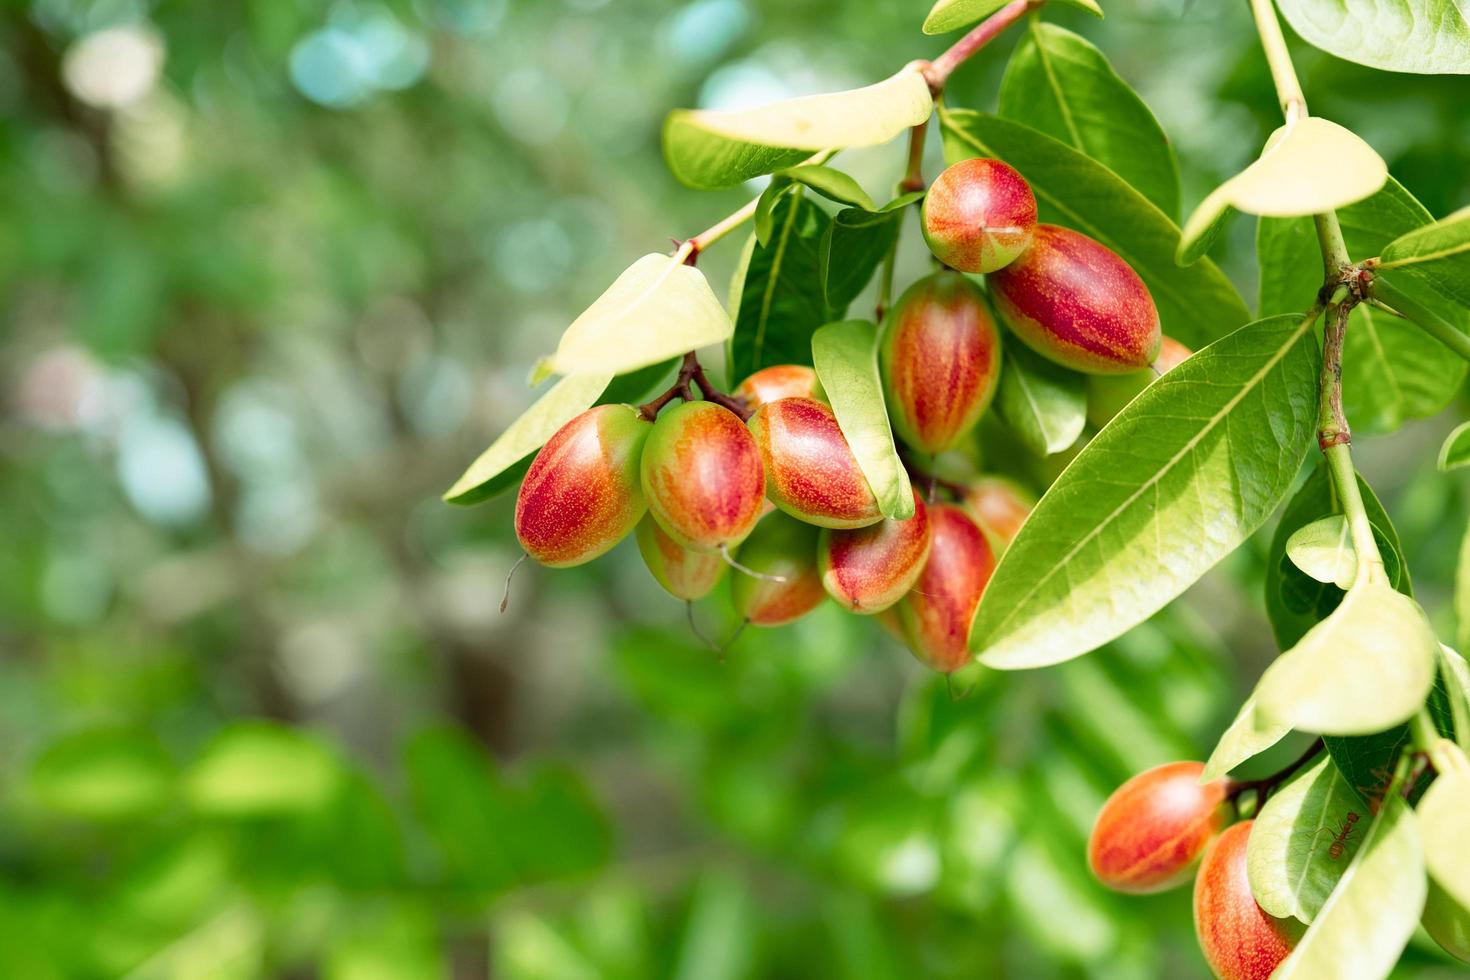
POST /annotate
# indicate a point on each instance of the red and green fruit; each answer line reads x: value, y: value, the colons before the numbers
x: 937, y: 613
x: 782, y: 552
x: 1151, y: 832
x: 979, y: 215
x: 940, y: 358
x: 811, y: 472
x: 780, y: 381
x: 1073, y: 300
x: 582, y: 494
x: 1108, y: 393
x: 702, y: 476
x: 1240, y: 941
x: 1000, y: 506
x: 683, y: 572
x: 870, y: 568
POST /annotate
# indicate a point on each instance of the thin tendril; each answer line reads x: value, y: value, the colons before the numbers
x: 730, y: 560
x: 505, y: 597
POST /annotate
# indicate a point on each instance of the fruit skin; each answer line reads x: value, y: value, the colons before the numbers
x: 1000, y: 506
x: 1239, y: 940
x: 785, y: 547
x: 870, y: 568
x: 940, y: 357
x: 1108, y: 393
x: 937, y: 613
x: 684, y: 573
x: 780, y: 381
x: 811, y: 472
x: 1153, y: 829
x: 582, y: 494
x: 1447, y: 922
x: 979, y: 215
x: 1073, y: 300
x: 702, y: 476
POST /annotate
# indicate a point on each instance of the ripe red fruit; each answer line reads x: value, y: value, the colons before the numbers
x: 937, y: 613
x: 940, y: 358
x: 683, y: 572
x: 1108, y: 393
x: 979, y: 215
x: 870, y: 568
x: 702, y: 476
x: 811, y: 472
x: 779, y: 381
x: 582, y: 495
x: 783, y: 553
x: 1000, y: 507
x: 1239, y: 939
x: 1073, y: 300
x: 1154, y: 827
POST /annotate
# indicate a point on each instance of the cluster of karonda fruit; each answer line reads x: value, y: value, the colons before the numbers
x: 778, y: 499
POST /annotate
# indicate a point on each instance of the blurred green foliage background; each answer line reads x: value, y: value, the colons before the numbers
x: 271, y: 274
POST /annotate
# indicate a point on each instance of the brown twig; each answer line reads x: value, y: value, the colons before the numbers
x: 1263, y: 786
x: 691, y: 375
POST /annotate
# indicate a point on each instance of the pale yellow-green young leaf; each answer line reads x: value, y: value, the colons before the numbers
x: 1444, y: 822
x: 657, y: 309
x: 1248, y: 736
x: 1455, y: 673
x: 1365, y: 668
x: 951, y: 15
x: 1310, y: 165
x: 1324, y: 550
x: 1289, y: 859
x: 568, y: 398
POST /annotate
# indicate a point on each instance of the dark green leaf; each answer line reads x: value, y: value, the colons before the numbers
x: 831, y: 183
x: 854, y: 246
x: 1044, y: 404
x: 780, y: 300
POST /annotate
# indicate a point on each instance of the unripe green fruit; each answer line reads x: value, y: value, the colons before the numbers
x: 1447, y: 922
x: 979, y: 215
x: 1108, y: 393
x: 683, y: 572
x: 937, y: 613
x: 1073, y: 300
x: 1000, y: 506
x: 811, y: 472
x: 702, y: 476
x: 1240, y: 941
x: 1151, y: 832
x: 582, y: 494
x: 870, y: 568
x: 779, y: 548
x: 940, y: 358
x: 780, y: 381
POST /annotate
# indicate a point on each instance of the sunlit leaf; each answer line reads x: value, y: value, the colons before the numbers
x: 1324, y: 550
x: 1455, y: 452
x: 707, y: 148
x: 1044, y: 404
x: 102, y: 775
x: 951, y: 15
x: 1290, y: 856
x: 1455, y: 674
x: 1364, y: 925
x: 1444, y: 823
x: 257, y: 769
x: 846, y: 358
x: 1203, y: 456
x: 1248, y: 736
x: 1310, y: 165
x: 1430, y: 37
x: 1437, y: 256
x: 780, y: 300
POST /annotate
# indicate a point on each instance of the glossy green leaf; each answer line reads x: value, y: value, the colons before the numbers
x: 1202, y: 456
x: 1324, y: 550
x: 707, y: 148
x: 258, y: 769
x: 764, y: 220
x: 506, y: 460
x: 1044, y: 404
x: 1364, y: 925
x: 1436, y: 256
x: 832, y: 184
x: 780, y: 299
x: 1454, y: 673
x: 1197, y: 304
x: 102, y: 775
x: 1444, y: 823
x: 853, y: 247
x: 1366, y: 667
x: 658, y: 308
x: 1289, y: 859
x: 1059, y: 83
x: 1247, y: 737
x: 1455, y: 452
x: 951, y: 15
x: 846, y: 358
x: 1429, y: 37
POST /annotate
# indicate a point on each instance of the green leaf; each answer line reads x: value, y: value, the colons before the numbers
x: 1454, y: 673
x: 951, y: 15
x: 1430, y: 37
x: 1308, y: 166
x: 259, y: 769
x: 658, y: 308
x: 1435, y: 258
x: 1196, y: 304
x: 1324, y: 550
x: 717, y: 941
x: 1455, y: 453
x: 509, y: 456
x: 780, y: 299
x: 764, y: 220
x: 1248, y: 736
x: 1044, y: 404
x: 832, y: 184
x: 1364, y: 925
x: 1289, y: 857
x: 853, y: 247
x: 102, y: 775
x: 706, y: 148
x: 846, y: 359
x: 1462, y: 593
x: 1183, y: 474
x: 1058, y: 83
x: 1366, y: 667
x: 1444, y: 823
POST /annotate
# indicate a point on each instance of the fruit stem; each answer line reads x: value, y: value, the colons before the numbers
x: 931, y: 479
x: 1283, y: 73
x: 691, y: 372
x: 913, y: 178
x: 1266, y: 784
x: 1422, y: 317
x: 937, y: 72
